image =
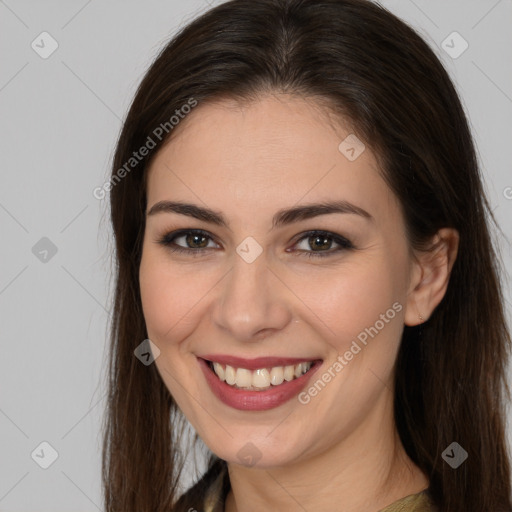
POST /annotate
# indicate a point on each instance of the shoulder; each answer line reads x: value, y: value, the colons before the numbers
x: 209, y: 492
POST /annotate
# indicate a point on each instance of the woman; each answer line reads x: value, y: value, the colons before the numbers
x: 302, y: 233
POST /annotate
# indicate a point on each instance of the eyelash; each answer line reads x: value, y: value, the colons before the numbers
x: 168, y: 241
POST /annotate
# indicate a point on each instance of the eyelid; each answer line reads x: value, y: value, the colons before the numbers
x: 168, y: 238
x: 343, y: 242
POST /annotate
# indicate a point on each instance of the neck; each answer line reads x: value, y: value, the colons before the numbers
x: 363, y: 472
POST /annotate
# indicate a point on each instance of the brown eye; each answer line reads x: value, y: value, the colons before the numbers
x: 321, y: 241
x: 195, y: 241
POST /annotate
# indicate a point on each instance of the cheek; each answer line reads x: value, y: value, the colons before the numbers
x: 170, y: 308
x: 347, y: 301
x: 168, y: 298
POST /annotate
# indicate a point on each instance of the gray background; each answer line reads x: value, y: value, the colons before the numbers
x: 60, y: 117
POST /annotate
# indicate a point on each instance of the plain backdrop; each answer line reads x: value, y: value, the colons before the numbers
x: 68, y: 72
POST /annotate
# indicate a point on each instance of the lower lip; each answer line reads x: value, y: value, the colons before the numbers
x: 255, y: 400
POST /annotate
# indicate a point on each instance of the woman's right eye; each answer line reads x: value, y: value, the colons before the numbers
x: 190, y: 237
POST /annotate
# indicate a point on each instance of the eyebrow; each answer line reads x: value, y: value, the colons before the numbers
x: 281, y: 218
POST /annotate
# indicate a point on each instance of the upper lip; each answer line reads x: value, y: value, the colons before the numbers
x: 257, y: 363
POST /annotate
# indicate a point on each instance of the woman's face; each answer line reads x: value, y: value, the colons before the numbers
x: 264, y: 296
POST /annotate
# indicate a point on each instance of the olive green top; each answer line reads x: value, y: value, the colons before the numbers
x: 217, y: 491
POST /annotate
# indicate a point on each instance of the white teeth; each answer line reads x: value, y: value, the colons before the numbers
x: 230, y: 375
x: 262, y: 378
x: 219, y: 370
x: 277, y: 375
x: 243, y: 378
x: 289, y: 373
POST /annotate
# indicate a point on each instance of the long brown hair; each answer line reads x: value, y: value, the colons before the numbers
x: 377, y: 72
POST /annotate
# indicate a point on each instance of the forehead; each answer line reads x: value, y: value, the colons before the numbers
x: 262, y: 155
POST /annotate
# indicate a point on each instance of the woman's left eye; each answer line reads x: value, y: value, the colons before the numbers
x: 319, y: 239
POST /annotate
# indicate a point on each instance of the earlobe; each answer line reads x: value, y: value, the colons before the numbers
x: 431, y: 275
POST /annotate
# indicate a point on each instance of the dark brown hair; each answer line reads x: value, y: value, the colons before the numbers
x: 378, y: 73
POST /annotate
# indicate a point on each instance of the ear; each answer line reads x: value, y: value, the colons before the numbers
x: 430, y: 276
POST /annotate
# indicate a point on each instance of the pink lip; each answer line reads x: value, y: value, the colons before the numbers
x: 255, y: 400
x: 254, y: 364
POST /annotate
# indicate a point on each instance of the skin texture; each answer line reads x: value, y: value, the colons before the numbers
x: 340, y: 450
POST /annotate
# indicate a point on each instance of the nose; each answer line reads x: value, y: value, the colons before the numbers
x: 252, y: 301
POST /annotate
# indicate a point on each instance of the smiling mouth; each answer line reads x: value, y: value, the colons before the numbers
x: 260, y: 379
